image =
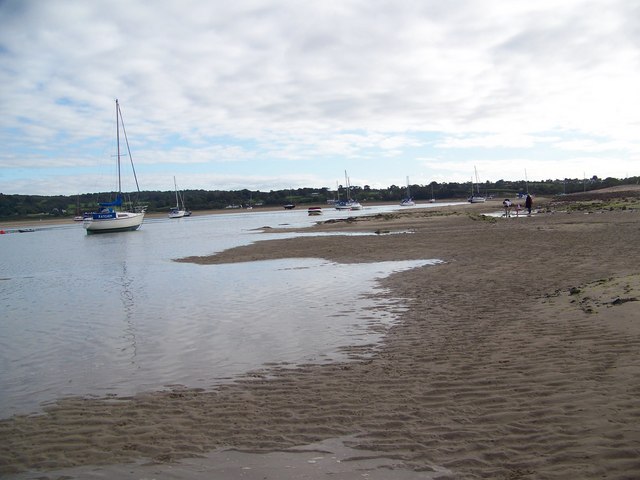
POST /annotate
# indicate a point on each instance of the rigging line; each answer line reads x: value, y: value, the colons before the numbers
x: 128, y: 149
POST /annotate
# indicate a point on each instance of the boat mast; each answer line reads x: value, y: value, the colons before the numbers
x: 346, y: 181
x: 124, y: 131
x: 118, y: 143
x: 175, y: 185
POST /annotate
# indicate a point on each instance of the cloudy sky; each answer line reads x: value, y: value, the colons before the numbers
x: 269, y: 94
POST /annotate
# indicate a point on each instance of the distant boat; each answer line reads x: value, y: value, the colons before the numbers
x: 110, y: 217
x: 290, y: 205
x: 177, y: 212
x: 340, y: 204
x: 476, y: 198
x: 79, y: 217
x: 314, y: 211
x: 407, y: 201
x: 349, y: 203
x: 187, y: 213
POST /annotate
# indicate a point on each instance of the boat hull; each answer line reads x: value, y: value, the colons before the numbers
x: 177, y: 213
x: 348, y: 205
x: 122, y: 222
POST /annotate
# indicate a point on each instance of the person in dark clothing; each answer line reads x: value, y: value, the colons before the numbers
x: 528, y: 203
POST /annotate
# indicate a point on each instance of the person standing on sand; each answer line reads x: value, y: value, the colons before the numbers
x: 507, y: 207
x: 528, y: 203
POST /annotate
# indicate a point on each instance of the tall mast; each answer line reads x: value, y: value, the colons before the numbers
x: 346, y: 181
x: 118, y: 142
x: 175, y: 185
x: 124, y: 131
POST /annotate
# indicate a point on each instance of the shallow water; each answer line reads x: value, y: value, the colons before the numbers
x: 113, y: 314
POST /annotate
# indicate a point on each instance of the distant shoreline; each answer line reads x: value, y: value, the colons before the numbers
x: 45, y: 220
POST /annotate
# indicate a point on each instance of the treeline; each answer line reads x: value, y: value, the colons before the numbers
x: 162, y: 201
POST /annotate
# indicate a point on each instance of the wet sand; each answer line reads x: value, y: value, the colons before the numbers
x: 517, y: 359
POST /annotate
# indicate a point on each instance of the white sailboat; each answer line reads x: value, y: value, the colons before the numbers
x: 110, y: 217
x: 349, y: 203
x: 476, y: 198
x: 407, y: 201
x: 177, y: 212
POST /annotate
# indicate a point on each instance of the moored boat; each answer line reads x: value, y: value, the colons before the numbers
x: 349, y: 203
x: 407, y: 201
x: 110, y: 217
x: 177, y: 212
x: 476, y: 198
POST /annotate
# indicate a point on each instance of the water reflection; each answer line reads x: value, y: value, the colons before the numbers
x: 128, y: 303
x: 113, y: 314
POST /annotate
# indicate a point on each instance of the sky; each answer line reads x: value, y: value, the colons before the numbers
x: 270, y: 95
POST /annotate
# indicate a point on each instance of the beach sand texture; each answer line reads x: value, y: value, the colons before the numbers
x: 517, y: 359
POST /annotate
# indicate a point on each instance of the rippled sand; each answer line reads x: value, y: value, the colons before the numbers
x: 517, y: 359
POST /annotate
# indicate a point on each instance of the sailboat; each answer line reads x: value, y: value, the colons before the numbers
x: 407, y: 201
x: 177, y: 212
x: 476, y: 198
x: 340, y: 204
x: 79, y: 217
x: 349, y: 203
x: 110, y: 217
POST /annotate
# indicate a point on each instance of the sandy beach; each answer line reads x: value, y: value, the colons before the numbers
x: 516, y: 359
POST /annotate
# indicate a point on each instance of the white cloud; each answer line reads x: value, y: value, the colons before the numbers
x: 303, y: 81
x: 489, y: 141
